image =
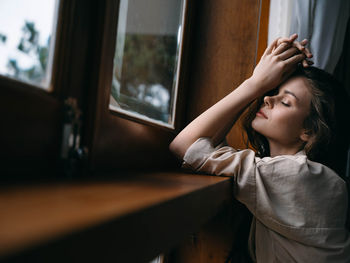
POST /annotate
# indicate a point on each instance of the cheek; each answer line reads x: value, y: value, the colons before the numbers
x: 288, y: 127
x: 293, y: 121
x: 279, y: 126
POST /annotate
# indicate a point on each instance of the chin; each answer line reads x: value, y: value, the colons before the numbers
x: 258, y: 128
x: 255, y: 126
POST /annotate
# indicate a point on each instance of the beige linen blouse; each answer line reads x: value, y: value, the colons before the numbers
x: 299, y: 206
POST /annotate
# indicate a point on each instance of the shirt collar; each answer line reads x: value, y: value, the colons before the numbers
x: 302, y: 152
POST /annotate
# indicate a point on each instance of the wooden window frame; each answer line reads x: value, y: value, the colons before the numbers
x: 175, y: 90
x: 82, y: 69
x: 32, y: 137
x: 114, y: 139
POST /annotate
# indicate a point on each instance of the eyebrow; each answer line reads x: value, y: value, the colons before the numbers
x: 291, y: 93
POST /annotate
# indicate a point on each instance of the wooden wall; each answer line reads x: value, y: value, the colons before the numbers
x: 223, y: 53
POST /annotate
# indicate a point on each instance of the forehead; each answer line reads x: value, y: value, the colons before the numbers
x: 299, y: 86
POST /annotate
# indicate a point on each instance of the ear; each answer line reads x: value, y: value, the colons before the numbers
x: 305, y: 135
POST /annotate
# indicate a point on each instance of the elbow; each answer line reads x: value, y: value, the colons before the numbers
x: 176, y: 148
x: 172, y: 147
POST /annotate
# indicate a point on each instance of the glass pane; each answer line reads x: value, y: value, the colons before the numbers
x: 146, y: 59
x: 26, y: 39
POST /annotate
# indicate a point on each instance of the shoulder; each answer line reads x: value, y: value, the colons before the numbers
x: 327, y: 174
x: 296, y: 160
x: 298, y: 170
x: 292, y: 185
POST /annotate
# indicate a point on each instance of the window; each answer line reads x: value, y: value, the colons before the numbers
x: 147, y: 59
x: 27, y: 40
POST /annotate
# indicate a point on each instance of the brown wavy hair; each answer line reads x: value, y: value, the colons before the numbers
x: 321, y: 122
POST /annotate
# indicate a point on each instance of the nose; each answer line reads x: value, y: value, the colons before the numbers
x: 268, y: 101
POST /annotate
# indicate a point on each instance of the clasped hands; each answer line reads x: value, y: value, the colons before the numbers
x: 299, y: 47
x: 280, y: 60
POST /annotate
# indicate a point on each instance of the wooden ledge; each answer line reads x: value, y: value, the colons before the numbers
x: 132, y: 219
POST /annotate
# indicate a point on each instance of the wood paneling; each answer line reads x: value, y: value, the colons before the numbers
x: 223, y: 54
x: 224, y: 237
x: 263, y: 28
x: 30, y: 130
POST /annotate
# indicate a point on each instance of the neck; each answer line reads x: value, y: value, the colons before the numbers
x: 280, y: 149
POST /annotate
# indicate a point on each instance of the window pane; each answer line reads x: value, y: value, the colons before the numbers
x: 26, y: 39
x: 146, y: 59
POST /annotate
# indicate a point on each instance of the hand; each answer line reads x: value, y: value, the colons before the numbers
x: 299, y: 45
x: 279, y: 61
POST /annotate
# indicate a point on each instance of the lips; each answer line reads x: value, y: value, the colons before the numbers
x: 261, y: 114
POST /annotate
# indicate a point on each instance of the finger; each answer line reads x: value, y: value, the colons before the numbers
x: 307, y: 63
x: 282, y: 40
x: 271, y: 47
x: 290, y: 39
x: 295, y: 59
x: 308, y: 53
x: 299, y: 46
x: 304, y: 42
x: 302, y: 48
x: 293, y: 37
x: 281, y: 48
x: 289, y: 53
x: 304, y: 63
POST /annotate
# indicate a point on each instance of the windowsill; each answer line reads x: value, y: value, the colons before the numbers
x: 122, y: 220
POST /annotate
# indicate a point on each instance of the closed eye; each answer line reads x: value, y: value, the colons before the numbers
x: 285, y: 104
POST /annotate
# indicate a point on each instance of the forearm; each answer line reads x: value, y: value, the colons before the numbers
x: 217, y: 121
x: 277, y: 63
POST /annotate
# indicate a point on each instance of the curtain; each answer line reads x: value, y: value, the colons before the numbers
x: 279, y: 19
x: 322, y: 22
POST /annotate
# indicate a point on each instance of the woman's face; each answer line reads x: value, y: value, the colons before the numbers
x: 280, y: 119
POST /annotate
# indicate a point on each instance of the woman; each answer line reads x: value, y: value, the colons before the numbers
x: 299, y: 205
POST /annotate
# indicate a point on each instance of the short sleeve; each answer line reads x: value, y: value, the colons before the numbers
x: 203, y: 156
